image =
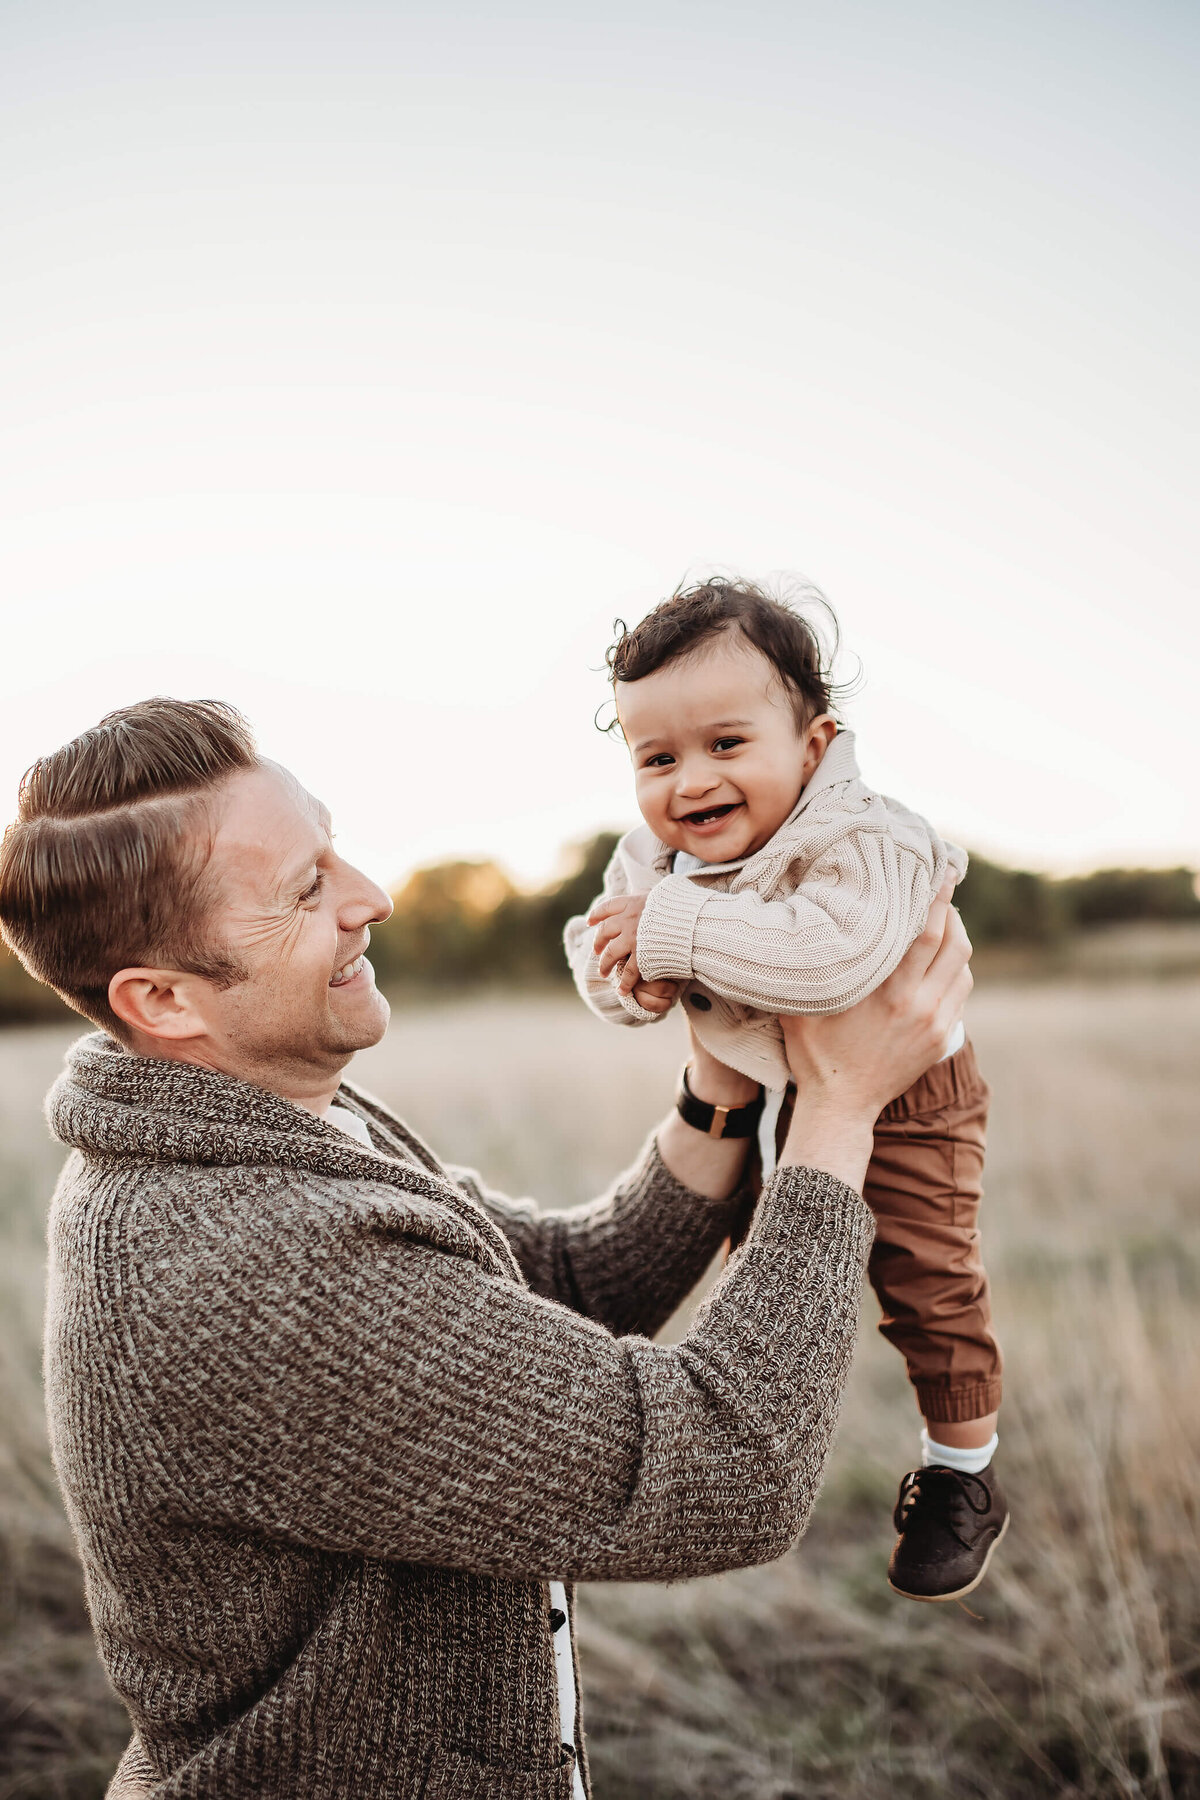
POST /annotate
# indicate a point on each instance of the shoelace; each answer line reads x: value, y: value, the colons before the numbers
x: 979, y: 1501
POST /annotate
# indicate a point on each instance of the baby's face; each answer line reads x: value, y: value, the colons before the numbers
x: 719, y: 760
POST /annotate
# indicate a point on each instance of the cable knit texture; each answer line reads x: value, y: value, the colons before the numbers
x: 810, y: 923
x: 328, y: 1418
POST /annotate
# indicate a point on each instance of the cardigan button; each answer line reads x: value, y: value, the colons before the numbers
x: 701, y: 1002
x: 558, y: 1618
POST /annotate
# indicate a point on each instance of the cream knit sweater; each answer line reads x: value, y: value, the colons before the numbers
x: 808, y: 924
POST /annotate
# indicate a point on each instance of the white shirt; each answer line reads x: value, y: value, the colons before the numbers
x: 350, y: 1123
x: 564, y: 1670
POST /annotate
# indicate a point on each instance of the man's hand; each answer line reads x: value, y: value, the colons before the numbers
x: 848, y: 1065
x: 615, y: 942
x: 878, y: 1047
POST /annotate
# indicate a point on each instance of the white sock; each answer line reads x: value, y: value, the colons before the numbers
x: 966, y: 1462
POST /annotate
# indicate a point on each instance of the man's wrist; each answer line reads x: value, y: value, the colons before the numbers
x: 717, y: 1085
x: 836, y: 1139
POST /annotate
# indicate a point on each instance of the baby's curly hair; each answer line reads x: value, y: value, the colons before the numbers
x: 691, y: 615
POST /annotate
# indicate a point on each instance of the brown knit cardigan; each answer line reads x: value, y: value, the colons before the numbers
x: 327, y: 1419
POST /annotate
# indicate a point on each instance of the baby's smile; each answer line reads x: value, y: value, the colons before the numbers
x: 710, y: 815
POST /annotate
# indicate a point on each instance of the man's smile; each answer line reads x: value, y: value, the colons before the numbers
x: 349, y: 971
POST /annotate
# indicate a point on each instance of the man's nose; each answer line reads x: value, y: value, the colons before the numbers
x: 364, y: 904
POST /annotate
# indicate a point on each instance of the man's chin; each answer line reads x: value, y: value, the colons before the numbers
x: 365, y: 1026
x: 379, y: 1023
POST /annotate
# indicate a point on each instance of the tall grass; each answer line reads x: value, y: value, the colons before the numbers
x: 1072, y: 1672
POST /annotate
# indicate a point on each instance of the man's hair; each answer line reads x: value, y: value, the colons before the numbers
x: 692, y: 616
x: 106, y: 864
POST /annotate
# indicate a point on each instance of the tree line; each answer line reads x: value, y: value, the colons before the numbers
x: 461, y: 923
x: 465, y: 922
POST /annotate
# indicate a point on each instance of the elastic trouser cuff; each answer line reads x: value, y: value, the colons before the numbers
x: 954, y: 1083
x: 959, y: 1405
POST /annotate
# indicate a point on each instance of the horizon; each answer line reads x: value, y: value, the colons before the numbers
x: 569, y: 859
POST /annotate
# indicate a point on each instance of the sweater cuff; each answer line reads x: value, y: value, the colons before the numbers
x: 667, y: 927
x: 794, y: 1190
x: 637, y: 1013
x: 668, y: 1187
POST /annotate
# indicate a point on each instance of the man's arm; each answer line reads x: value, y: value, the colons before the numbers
x: 626, y: 1260
x: 365, y: 1393
x: 629, y: 1259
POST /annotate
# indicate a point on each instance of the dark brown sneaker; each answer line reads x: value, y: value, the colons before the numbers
x: 949, y: 1524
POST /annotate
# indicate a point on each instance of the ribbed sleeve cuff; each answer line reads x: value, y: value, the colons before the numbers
x: 668, y: 1187
x: 636, y: 1012
x: 792, y: 1190
x: 799, y: 1206
x: 791, y: 1292
x: 667, y: 927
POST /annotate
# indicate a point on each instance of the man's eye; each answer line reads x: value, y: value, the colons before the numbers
x: 312, y: 892
x: 728, y: 743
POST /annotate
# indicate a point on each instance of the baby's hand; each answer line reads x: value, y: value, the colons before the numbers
x: 616, y: 940
x: 656, y: 996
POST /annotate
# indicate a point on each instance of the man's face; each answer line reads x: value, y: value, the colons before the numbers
x: 296, y: 917
x: 719, y: 762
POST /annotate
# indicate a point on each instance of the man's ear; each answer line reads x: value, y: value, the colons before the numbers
x: 157, y: 1003
x: 819, y: 733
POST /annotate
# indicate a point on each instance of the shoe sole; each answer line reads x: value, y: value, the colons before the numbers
x: 962, y: 1592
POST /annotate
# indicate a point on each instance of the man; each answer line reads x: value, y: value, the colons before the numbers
x: 337, y: 1427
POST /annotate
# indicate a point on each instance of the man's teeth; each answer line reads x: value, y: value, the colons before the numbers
x: 348, y: 973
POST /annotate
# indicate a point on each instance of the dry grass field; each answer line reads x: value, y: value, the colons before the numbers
x: 1075, y: 1671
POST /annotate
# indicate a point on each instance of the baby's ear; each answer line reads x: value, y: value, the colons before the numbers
x: 819, y: 733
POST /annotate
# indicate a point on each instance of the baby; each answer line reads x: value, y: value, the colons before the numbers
x: 767, y: 879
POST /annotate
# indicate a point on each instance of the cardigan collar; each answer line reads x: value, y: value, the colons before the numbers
x: 109, y: 1103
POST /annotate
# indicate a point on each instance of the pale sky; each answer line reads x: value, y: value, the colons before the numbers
x: 359, y: 363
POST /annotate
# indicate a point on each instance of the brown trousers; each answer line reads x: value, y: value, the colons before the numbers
x: 924, y: 1185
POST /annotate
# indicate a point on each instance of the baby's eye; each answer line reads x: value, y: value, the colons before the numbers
x: 728, y: 743
x: 661, y: 761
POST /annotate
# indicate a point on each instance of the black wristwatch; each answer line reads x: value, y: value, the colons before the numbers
x: 719, y: 1121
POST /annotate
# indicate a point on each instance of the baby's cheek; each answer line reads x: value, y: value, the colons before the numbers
x: 649, y: 799
x: 658, y: 819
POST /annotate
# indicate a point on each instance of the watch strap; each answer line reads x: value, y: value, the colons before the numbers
x: 719, y: 1121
